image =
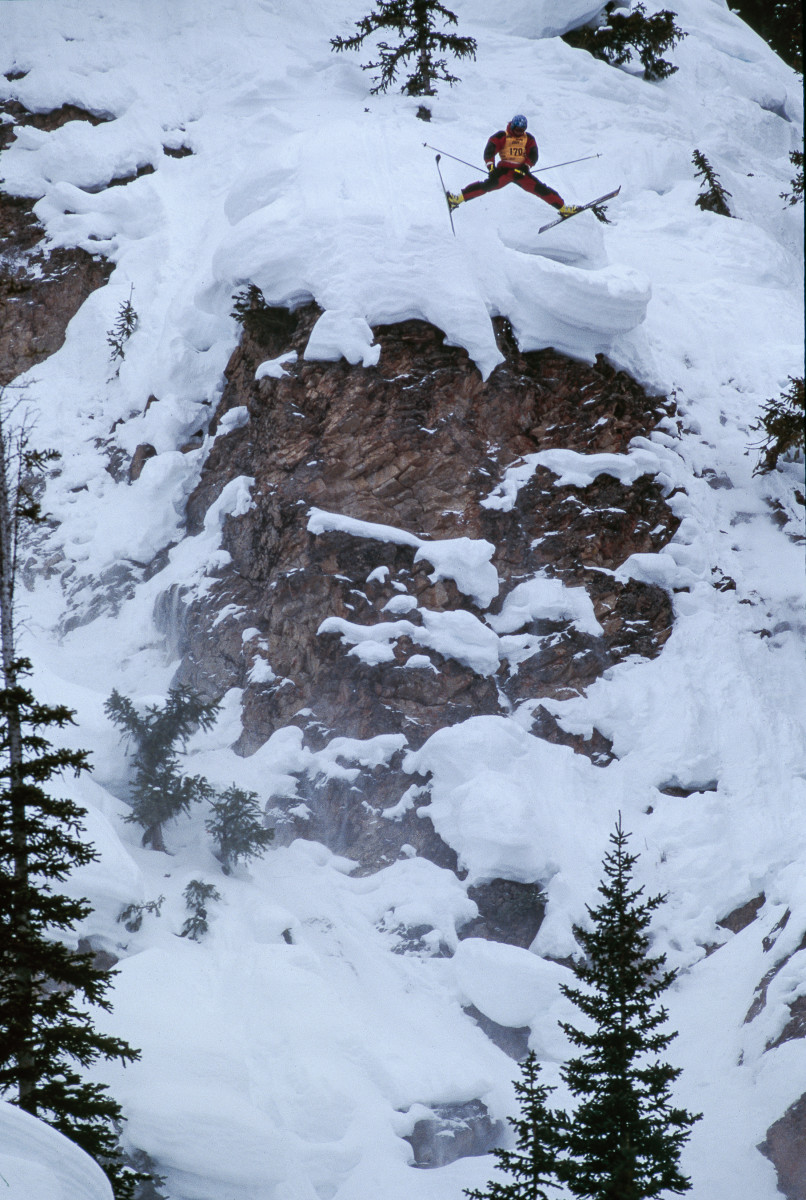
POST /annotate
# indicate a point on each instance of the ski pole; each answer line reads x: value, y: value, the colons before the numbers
x: 553, y: 167
x: 445, y: 191
x: 453, y: 156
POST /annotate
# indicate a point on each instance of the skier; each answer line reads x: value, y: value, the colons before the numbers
x: 517, y: 152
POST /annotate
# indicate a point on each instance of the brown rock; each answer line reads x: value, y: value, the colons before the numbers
x: 142, y: 454
x: 416, y: 443
x: 785, y: 1147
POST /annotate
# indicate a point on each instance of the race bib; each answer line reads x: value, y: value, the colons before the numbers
x: 514, y: 149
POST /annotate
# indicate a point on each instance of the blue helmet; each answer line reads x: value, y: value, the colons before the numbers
x: 518, y: 122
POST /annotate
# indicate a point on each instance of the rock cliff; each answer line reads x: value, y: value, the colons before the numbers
x: 415, y: 444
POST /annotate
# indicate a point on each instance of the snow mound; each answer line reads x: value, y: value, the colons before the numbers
x: 38, y: 1163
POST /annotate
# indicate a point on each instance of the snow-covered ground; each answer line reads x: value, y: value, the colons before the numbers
x: 37, y: 1163
x: 289, y: 1067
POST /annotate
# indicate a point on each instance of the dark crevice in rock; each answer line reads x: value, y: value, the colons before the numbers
x: 760, y: 997
x: 795, y: 1027
x: 513, y: 1040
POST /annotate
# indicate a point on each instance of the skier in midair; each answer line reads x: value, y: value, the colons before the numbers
x: 517, y: 152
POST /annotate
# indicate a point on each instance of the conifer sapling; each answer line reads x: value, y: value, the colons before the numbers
x: 236, y: 825
x: 616, y: 35
x: 197, y: 895
x: 159, y: 791
x: 122, y: 330
x: 533, y: 1165
x: 625, y: 1138
x: 714, y: 198
x: 416, y: 22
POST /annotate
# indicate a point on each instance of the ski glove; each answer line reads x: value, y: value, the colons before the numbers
x: 490, y: 167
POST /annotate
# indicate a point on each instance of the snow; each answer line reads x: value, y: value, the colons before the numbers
x: 572, y: 470
x: 338, y: 335
x: 277, y: 1070
x: 36, y: 1161
x: 464, y: 560
x: 274, y: 368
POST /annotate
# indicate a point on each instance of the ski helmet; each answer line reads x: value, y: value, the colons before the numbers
x: 518, y: 122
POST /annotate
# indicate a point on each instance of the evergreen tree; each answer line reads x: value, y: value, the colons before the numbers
x: 615, y: 36
x: 714, y: 197
x: 159, y: 791
x: 196, y: 896
x: 796, y: 195
x: 533, y: 1165
x: 236, y: 826
x: 783, y: 424
x: 780, y: 23
x: 122, y: 330
x: 421, y: 41
x: 626, y: 1137
x: 46, y: 1033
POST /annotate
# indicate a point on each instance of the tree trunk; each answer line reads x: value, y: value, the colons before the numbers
x: 22, y: 976
x: 421, y: 27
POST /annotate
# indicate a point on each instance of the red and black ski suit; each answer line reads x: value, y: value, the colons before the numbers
x: 517, y: 152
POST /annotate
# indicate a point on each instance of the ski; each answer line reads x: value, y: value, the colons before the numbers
x: 445, y: 194
x: 582, y: 208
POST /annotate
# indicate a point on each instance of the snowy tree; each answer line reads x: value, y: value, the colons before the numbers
x: 625, y: 1138
x: 782, y: 423
x: 159, y: 791
x: 236, y: 826
x: 420, y: 42
x: 197, y: 895
x: 533, y: 1164
x: 796, y: 195
x: 47, y: 1035
x: 122, y: 330
x: 713, y: 197
x: 614, y: 35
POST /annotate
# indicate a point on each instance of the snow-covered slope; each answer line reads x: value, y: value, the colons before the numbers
x: 36, y: 1161
x: 287, y: 1055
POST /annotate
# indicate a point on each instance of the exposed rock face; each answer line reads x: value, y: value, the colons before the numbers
x: 785, y: 1147
x: 415, y: 443
x: 454, y: 1131
x: 508, y: 912
x: 41, y: 289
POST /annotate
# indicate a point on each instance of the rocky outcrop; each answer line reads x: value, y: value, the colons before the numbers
x: 454, y: 1131
x: 415, y: 443
x: 785, y: 1147
x: 41, y: 288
